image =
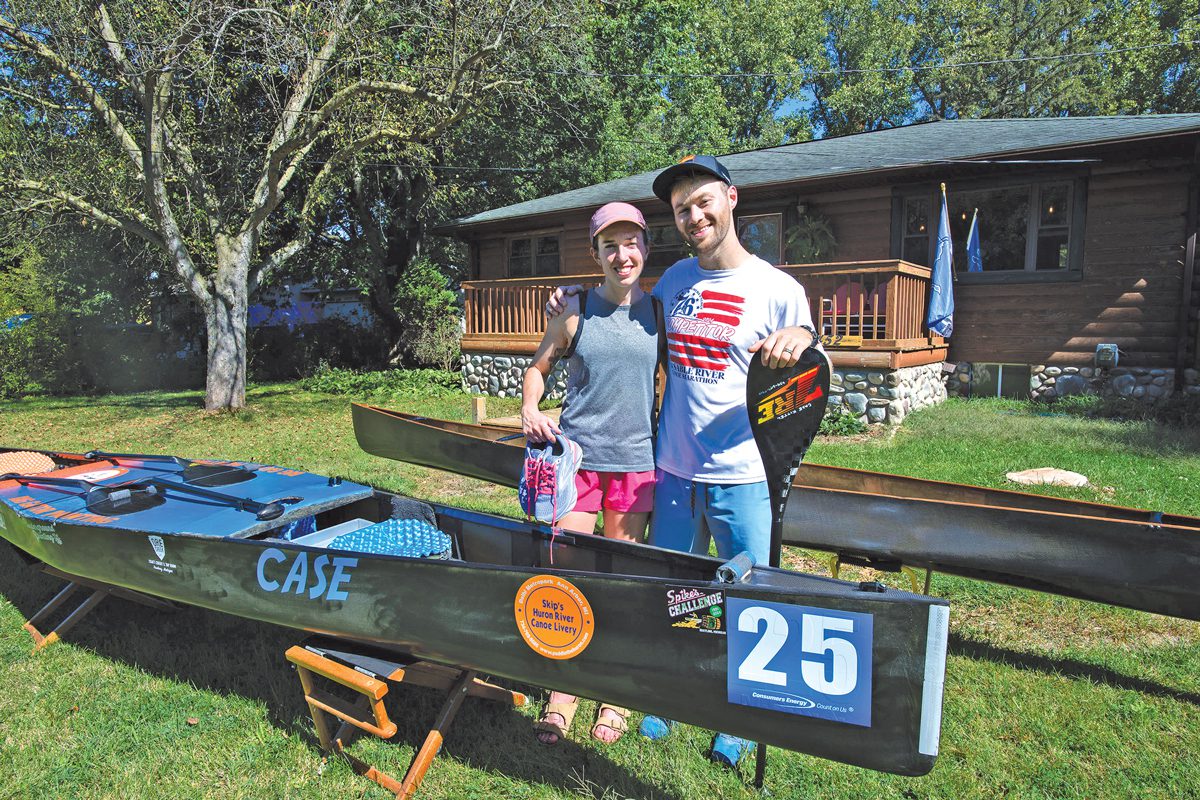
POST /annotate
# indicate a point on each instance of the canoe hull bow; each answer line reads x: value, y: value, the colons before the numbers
x: 1091, y: 551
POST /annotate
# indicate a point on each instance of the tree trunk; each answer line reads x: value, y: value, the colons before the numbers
x: 225, y: 318
x: 382, y: 302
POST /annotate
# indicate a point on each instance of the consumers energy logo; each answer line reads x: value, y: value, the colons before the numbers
x: 793, y: 700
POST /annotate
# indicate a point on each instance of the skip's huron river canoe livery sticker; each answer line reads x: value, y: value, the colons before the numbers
x: 553, y: 617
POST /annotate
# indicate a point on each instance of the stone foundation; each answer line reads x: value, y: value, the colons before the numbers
x: 872, y: 395
x: 1049, y: 382
x: 501, y: 375
x: 886, y: 395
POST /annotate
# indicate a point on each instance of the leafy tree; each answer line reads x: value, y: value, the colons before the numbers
x: 208, y: 130
x: 679, y: 77
x: 859, y: 74
x: 889, y: 62
x: 1004, y: 59
x: 1151, y: 63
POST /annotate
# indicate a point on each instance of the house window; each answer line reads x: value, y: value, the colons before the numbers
x: 533, y: 256
x: 665, y: 248
x: 915, y: 247
x: 762, y: 235
x: 1000, y: 380
x: 1023, y: 227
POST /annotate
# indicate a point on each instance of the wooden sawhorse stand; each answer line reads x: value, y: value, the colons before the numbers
x: 366, y: 669
x: 99, y: 592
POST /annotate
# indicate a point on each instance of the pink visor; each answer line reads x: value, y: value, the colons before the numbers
x: 615, y: 212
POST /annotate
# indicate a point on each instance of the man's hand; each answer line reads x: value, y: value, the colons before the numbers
x: 536, y: 426
x: 563, y: 299
x: 783, y: 347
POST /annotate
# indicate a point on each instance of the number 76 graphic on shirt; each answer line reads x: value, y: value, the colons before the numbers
x: 814, y: 662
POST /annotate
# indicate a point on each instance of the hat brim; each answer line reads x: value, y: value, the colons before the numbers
x: 666, y: 179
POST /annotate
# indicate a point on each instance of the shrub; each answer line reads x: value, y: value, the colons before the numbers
x: 278, y: 352
x: 431, y: 314
x: 34, y: 357
x: 840, y: 422
x: 131, y: 358
x: 438, y: 344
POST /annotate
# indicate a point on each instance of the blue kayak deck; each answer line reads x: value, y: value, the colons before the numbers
x: 302, y: 494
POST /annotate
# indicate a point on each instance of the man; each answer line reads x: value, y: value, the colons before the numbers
x: 720, y: 309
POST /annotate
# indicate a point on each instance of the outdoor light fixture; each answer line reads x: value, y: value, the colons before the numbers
x: 1106, y: 356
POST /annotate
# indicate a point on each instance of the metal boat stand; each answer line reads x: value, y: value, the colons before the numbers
x: 836, y: 560
x: 99, y: 591
x: 367, y: 670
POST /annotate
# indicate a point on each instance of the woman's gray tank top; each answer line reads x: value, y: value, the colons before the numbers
x: 610, y: 385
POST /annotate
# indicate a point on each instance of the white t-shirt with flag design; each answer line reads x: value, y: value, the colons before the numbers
x: 712, y: 318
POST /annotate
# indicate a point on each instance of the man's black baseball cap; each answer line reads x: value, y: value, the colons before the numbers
x: 691, y: 165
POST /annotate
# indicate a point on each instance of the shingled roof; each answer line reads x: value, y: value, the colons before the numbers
x: 910, y: 146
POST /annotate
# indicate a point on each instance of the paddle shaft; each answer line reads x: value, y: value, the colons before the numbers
x: 264, y: 511
x: 786, y: 407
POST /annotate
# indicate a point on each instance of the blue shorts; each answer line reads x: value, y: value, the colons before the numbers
x: 735, y: 515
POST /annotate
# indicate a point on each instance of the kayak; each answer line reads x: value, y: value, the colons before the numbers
x: 846, y: 671
x: 1139, y: 559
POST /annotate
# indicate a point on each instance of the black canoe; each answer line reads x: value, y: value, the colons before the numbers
x: 1128, y: 557
x: 839, y: 670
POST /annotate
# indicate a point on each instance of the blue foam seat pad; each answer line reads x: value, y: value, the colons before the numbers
x: 412, y: 538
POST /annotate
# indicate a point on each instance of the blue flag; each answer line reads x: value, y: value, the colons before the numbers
x: 940, y: 317
x: 974, y: 258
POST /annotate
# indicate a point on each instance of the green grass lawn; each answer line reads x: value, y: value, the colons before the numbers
x: 1045, y: 697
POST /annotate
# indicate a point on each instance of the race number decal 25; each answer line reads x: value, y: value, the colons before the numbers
x: 800, y: 660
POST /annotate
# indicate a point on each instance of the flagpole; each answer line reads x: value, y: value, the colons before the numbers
x: 939, y: 313
x: 974, y: 259
x: 946, y: 204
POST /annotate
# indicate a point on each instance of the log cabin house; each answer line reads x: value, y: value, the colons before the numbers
x: 1088, y: 230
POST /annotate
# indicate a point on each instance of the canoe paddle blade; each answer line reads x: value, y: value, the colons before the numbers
x: 785, y: 407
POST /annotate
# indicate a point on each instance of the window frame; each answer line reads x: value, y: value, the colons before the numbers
x: 532, y: 237
x: 684, y: 250
x: 779, y: 215
x: 1028, y: 273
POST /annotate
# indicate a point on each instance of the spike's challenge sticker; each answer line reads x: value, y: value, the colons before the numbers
x: 554, y: 617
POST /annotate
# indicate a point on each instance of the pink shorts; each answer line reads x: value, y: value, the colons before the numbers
x: 615, y: 491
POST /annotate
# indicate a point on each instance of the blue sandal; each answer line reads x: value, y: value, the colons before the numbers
x: 729, y: 750
x: 655, y: 728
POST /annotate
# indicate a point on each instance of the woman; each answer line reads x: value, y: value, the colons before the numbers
x: 611, y: 346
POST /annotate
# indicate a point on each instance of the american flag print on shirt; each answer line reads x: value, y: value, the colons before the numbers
x: 700, y: 329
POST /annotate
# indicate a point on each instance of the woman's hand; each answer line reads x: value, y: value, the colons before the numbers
x: 536, y: 426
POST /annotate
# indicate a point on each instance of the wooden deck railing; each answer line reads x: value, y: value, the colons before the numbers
x: 873, y: 305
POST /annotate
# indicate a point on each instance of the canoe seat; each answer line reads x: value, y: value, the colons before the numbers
x: 412, y: 538
x: 26, y: 463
